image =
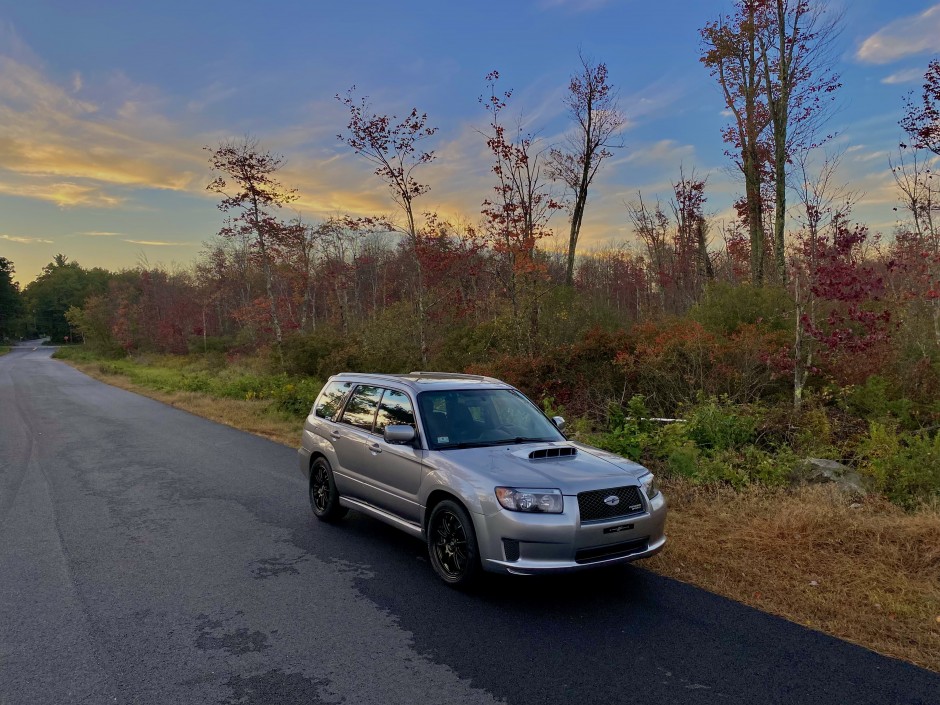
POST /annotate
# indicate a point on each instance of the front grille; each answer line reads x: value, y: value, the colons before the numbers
x: 593, y: 507
x: 614, y: 550
x: 563, y: 452
x: 511, y: 549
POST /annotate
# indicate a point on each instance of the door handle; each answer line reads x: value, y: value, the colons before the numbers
x: 374, y: 448
x: 335, y: 435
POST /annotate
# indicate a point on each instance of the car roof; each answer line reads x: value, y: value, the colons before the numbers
x: 421, y: 381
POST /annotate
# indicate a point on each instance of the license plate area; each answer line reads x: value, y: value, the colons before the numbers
x: 618, y: 529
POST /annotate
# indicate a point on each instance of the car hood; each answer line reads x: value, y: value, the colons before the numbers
x: 589, y: 468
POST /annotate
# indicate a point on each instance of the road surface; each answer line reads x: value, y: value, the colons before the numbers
x: 150, y: 556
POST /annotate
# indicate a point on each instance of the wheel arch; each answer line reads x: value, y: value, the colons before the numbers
x: 436, y: 497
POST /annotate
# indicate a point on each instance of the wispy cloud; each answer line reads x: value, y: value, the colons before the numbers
x: 25, y: 240
x: 63, y: 194
x: 98, y: 233
x: 662, y: 152
x: 905, y: 76
x: 58, y: 146
x: 906, y: 36
x: 160, y: 243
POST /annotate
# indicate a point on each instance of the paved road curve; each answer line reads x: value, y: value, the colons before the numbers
x: 149, y: 556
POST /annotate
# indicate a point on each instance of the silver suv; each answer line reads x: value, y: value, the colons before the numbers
x: 472, y: 467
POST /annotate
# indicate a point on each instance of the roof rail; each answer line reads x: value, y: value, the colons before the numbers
x: 447, y: 375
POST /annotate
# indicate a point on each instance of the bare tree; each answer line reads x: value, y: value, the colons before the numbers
x: 823, y: 201
x: 393, y: 146
x: 796, y: 50
x: 919, y: 189
x: 922, y: 119
x: 732, y: 52
x: 593, y: 105
x: 247, y: 182
x: 517, y: 216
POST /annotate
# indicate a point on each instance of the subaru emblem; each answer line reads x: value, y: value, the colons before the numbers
x: 612, y: 501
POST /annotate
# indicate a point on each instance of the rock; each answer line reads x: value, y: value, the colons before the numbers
x: 821, y: 471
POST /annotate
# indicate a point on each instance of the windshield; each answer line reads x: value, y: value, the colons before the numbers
x: 467, y: 418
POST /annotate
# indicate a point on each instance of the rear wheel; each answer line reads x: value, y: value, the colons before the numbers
x: 452, y: 544
x: 324, y: 499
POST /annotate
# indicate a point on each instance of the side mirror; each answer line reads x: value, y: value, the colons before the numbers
x: 559, y: 422
x: 399, y: 434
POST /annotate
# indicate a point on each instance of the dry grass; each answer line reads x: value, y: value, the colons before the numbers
x: 251, y: 415
x: 870, y: 574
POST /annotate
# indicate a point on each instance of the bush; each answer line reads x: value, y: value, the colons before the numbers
x: 717, y: 425
x: 903, y: 466
x: 296, y: 397
x: 873, y: 401
x: 726, y: 307
x: 673, y: 364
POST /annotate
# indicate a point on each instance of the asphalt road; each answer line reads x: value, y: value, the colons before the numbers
x: 150, y: 556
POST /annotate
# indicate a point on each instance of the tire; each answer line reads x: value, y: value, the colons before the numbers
x: 324, y: 499
x: 452, y: 544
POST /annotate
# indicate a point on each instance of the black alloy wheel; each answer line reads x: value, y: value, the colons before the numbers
x: 324, y: 499
x: 452, y: 544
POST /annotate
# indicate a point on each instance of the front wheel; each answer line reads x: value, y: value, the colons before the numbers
x: 324, y: 499
x: 452, y: 544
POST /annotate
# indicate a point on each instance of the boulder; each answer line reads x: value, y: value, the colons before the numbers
x: 821, y: 471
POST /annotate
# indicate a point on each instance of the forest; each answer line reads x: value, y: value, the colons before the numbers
x: 790, y: 332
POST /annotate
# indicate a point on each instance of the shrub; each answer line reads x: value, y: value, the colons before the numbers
x: 675, y: 363
x: 873, y: 401
x: 306, y: 354
x: 718, y: 425
x: 296, y: 397
x: 904, y: 466
x: 726, y: 307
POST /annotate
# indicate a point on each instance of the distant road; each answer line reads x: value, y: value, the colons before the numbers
x: 150, y: 556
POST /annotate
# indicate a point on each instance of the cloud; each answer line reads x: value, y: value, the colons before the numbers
x: 61, y: 193
x: 98, y: 233
x: 906, y: 36
x: 160, y: 243
x: 58, y: 147
x: 905, y: 76
x: 662, y: 152
x: 25, y: 240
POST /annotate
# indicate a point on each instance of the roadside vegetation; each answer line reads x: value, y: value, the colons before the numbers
x: 780, y: 370
x: 744, y: 521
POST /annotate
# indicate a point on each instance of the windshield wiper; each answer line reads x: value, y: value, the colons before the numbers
x: 500, y: 442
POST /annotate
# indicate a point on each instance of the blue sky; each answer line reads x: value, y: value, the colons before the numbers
x: 105, y: 106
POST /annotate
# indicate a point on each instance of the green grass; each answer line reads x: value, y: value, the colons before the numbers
x: 4, y: 349
x: 211, y: 375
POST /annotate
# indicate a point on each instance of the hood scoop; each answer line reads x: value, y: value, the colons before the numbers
x: 553, y: 452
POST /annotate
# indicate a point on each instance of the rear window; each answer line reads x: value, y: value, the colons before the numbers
x: 395, y: 410
x: 360, y: 411
x: 331, y: 399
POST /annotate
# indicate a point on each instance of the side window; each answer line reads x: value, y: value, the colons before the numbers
x: 360, y: 410
x: 331, y: 399
x: 394, y: 410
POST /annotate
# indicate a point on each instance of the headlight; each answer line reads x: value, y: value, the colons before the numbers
x: 526, y: 500
x: 650, y: 485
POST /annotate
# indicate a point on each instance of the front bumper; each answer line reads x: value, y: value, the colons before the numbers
x: 527, y: 544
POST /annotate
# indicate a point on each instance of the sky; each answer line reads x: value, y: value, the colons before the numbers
x: 106, y: 106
